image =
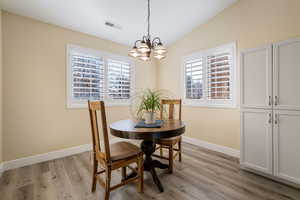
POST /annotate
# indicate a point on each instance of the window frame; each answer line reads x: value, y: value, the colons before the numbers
x: 205, y: 102
x: 71, y: 103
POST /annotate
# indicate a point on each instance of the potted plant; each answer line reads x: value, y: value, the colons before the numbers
x: 149, y: 105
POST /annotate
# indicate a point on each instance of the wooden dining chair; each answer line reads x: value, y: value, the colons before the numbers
x: 170, y: 143
x: 115, y: 156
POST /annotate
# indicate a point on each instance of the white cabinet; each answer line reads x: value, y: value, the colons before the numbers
x: 287, y: 75
x: 256, y: 76
x: 287, y: 145
x: 256, y: 140
x: 270, y: 110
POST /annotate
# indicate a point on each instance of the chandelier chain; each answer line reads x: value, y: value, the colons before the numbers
x: 148, y: 19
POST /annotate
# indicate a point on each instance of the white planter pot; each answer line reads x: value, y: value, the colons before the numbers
x: 149, y: 118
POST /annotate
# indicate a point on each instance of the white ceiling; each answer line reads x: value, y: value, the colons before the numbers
x: 170, y: 19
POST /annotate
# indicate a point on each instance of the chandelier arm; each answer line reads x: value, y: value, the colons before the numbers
x: 156, y: 41
x: 145, y: 38
x: 135, y: 43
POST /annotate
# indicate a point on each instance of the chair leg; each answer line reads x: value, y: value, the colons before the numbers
x: 161, y: 150
x: 107, y: 184
x: 140, y: 174
x: 171, y: 159
x: 179, y: 148
x: 94, y: 175
x: 124, y: 173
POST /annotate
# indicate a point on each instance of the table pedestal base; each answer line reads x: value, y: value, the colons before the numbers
x: 148, y: 147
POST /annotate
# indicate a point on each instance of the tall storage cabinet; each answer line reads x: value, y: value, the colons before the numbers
x: 270, y: 110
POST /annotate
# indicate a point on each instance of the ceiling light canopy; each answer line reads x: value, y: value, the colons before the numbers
x: 143, y: 48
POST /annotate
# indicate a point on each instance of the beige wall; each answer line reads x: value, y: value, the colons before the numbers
x: 1, y: 95
x: 249, y: 22
x: 34, y: 86
x: 36, y: 119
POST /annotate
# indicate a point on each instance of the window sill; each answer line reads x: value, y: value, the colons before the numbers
x: 200, y: 105
x: 109, y: 104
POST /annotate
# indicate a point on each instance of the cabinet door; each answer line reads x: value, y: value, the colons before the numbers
x: 287, y: 145
x: 256, y: 140
x: 256, y: 78
x: 287, y: 75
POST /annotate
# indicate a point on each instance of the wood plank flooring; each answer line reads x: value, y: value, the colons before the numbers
x: 203, y: 175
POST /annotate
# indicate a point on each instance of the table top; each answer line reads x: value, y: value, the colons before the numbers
x: 125, y: 129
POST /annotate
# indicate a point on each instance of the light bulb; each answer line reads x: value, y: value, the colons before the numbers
x: 159, y: 56
x: 143, y: 48
x: 144, y: 57
x: 159, y: 49
x: 134, y: 52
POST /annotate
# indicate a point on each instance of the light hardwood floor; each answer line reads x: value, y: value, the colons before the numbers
x: 203, y: 175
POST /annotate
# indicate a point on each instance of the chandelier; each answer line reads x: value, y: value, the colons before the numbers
x: 143, y: 48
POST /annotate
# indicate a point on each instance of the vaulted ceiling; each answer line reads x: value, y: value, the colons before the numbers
x: 170, y: 19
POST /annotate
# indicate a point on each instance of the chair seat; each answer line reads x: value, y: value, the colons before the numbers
x: 169, y: 141
x: 123, y: 150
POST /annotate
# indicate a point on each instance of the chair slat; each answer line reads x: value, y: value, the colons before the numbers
x: 171, y: 103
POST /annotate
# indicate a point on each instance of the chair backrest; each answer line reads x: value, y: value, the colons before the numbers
x: 171, y: 103
x: 93, y: 108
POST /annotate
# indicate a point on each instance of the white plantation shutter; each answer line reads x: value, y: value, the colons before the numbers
x: 218, y: 75
x: 94, y: 75
x: 119, y: 78
x: 194, y: 79
x: 209, y: 77
x: 87, y: 77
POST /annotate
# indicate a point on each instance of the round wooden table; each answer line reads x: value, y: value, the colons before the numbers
x: 170, y: 128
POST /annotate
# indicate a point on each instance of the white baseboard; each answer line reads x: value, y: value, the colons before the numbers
x: 214, y: 147
x: 12, y: 164
x: 30, y: 160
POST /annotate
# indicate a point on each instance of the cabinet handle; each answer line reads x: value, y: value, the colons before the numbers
x: 270, y: 118
x: 276, y: 101
x: 270, y: 100
x: 276, y: 119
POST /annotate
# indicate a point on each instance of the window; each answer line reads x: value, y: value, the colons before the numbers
x: 218, y: 75
x: 194, y: 79
x: 209, y: 77
x: 94, y: 75
x: 118, y: 79
x: 87, y: 77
